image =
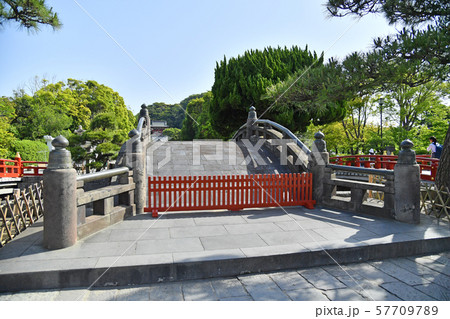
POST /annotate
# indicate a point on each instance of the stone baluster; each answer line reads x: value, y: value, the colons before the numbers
x: 317, y: 161
x: 407, y: 185
x: 60, y: 201
x: 250, y: 122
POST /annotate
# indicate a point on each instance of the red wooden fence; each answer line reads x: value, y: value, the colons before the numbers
x: 19, y: 168
x: 428, y: 166
x: 233, y: 192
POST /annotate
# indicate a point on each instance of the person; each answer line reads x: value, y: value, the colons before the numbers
x: 435, y: 148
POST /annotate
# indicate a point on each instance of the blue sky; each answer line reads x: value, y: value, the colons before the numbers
x: 176, y: 42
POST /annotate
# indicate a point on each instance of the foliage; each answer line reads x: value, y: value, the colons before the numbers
x: 59, y: 108
x: 173, y: 114
x: 425, y: 38
x: 197, y: 125
x: 240, y: 82
x: 28, y: 13
x: 7, y: 113
x: 173, y: 133
x: 31, y: 150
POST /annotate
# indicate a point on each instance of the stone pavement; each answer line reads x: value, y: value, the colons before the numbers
x: 211, y: 157
x: 421, y: 278
x: 183, y: 246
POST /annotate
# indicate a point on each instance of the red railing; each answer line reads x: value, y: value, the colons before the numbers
x: 19, y: 168
x: 428, y: 166
x: 232, y: 192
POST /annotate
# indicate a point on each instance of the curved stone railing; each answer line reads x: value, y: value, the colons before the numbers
x: 278, y: 139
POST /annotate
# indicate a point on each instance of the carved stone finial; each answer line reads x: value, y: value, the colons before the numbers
x: 252, y: 113
x: 144, y: 111
x: 319, y: 143
x: 60, y: 158
x: 60, y: 142
x: 407, y: 156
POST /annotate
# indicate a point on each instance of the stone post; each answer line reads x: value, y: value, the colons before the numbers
x: 60, y: 201
x: 407, y: 185
x: 250, y: 122
x: 317, y: 161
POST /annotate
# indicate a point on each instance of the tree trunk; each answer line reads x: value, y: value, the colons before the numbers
x: 443, y: 172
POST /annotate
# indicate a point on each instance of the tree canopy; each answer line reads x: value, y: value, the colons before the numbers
x: 60, y: 108
x: 28, y: 13
x: 240, y: 83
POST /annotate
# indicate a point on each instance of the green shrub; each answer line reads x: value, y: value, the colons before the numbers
x: 31, y: 150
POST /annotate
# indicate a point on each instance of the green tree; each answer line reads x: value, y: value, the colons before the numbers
x: 7, y: 113
x: 424, y: 42
x: 173, y: 133
x: 241, y: 82
x: 28, y: 13
x: 31, y: 150
x: 173, y: 114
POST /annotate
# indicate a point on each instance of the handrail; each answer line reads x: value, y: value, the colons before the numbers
x: 102, y: 174
x: 140, y: 124
x: 363, y: 170
x: 282, y: 129
x: 426, y: 164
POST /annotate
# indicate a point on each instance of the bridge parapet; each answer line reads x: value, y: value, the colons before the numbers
x: 277, y: 138
x: 66, y: 201
x: 399, y: 188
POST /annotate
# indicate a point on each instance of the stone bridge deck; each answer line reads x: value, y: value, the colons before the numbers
x: 211, y: 158
x: 194, y: 245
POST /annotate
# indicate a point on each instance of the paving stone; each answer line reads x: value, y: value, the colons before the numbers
x: 208, y: 255
x: 321, y: 279
x: 405, y: 292
x: 159, y: 246
x: 289, y: 237
x: 219, y: 220
x: 167, y: 223
x: 371, y: 273
x: 399, y: 273
x: 273, y: 250
x: 253, y: 228
x: 50, y: 264
x: 72, y: 295
x: 443, y: 269
x: 104, y: 249
x: 333, y: 244
x: 290, y: 280
x: 119, y: 261
x: 344, y: 294
x: 302, y: 224
x: 138, y: 234
x: 413, y: 267
x: 344, y: 233
x: 133, y: 294
x: 198, y: 290
x: 239, y: 298
x: 101, y: 295
x: 441, y: 280
x: 262, y: 288
x: 442, y: 259
x: 228, y: 288
x: 5, y: 296
x: 341, y: 271
x: 262, y: 216
x: 41, y: 295
x: 367, y: 289
x: 437, y: 292
x: 166, y: 292
x: 197, y: 231
x: 308, y: 294
x: 100, y: 237
x: 232, y: 241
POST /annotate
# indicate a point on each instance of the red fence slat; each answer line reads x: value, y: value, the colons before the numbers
x: 232, y: 192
